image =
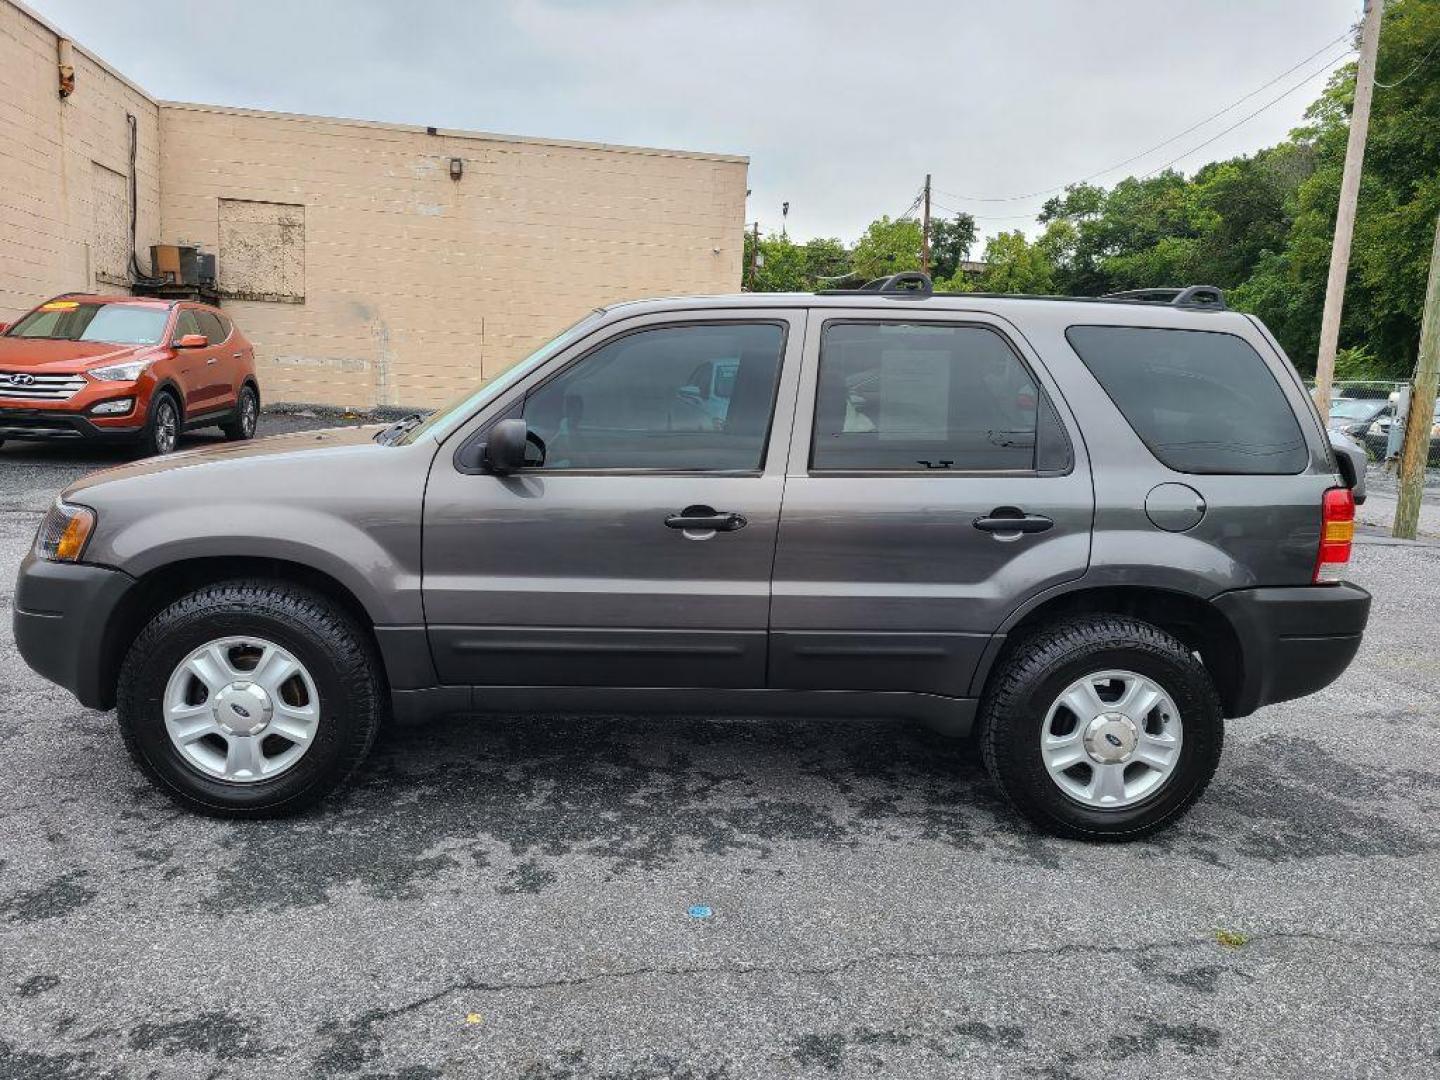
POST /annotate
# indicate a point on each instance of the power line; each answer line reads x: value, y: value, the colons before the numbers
x: 1251, y: 116
x: 1418, y: 65
x: 1180, y: 157
x: 1165, y: 143
x: 984, y: 217
x: 914, y: 205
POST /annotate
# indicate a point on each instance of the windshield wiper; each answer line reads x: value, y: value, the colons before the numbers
x: 387, y: 436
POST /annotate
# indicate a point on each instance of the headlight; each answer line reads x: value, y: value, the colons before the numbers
x: 64, y: 531
x: 126, y: 372
x: 118, y: 407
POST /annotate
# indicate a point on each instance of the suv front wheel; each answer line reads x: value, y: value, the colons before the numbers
x: 1101, y: 727
x: 249, y: 699
x: 162, y: 429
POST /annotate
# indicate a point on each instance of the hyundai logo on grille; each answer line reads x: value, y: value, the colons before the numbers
x: 21, y: 379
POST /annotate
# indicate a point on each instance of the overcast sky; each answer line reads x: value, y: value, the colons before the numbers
x: 841, y: 106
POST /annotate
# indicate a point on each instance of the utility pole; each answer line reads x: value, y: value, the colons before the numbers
x: 925, y: 230
x: 1345, y: 215
x: 1416, y: 448
x: 754, y: 255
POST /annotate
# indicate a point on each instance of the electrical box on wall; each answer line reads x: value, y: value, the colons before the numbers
x: 178, y: 272
x: 175, y: 264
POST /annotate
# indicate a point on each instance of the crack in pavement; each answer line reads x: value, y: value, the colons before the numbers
x: 372, y: 1017
x: 356, y: 1042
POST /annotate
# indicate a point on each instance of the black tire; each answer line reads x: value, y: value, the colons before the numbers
x: 247, y: 416
x: 162, y: 428
x: 1037, y: 671
x: 337, y: 653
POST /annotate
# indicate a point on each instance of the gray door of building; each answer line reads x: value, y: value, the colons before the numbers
x: 636, y: 552
x: 926, y: 448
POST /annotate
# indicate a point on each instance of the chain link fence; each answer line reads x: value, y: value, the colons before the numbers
x: 1373, y: 414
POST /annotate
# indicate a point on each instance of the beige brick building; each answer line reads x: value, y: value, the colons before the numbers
x: 362, y: 268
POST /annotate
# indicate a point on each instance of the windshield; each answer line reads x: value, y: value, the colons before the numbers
x: 1355, y: 408
x: 116, y: 324
x: 454, y: 413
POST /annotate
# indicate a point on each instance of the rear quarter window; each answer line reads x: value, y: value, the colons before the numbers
x: 1201, y: 401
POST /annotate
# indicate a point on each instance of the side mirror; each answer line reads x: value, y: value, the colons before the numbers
x: 505, y: 447
x: 192, y: 341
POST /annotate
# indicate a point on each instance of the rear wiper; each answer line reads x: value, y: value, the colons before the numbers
x: 388, y: 435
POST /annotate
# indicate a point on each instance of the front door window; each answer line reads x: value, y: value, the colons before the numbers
x: 634, y: 403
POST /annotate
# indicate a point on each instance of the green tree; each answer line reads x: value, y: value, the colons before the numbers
x: 826, y: 261
x: 1259, y: 225
x: 789, y: 267
x: 950, y: 242
x: 888, y: 247
x: 1395, y: 221
x: 1014, y: 265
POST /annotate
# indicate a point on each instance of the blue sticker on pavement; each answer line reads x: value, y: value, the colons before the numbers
x: 700, y: 911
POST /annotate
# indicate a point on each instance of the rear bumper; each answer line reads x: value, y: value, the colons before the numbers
x: 59, y: 424
x: 1293, y: 641
x: 62, y: 614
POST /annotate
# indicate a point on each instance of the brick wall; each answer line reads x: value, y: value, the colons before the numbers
x: 363, y: 273
x: 64, y: 169
x: 382, y: 280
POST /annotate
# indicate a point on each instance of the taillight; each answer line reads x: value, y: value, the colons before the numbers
x: 1337, y: 531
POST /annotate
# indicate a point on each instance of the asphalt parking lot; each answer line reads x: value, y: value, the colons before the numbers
x: 510, y: 898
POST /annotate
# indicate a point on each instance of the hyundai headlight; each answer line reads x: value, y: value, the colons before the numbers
x: 64, y: 531
x: 126, y: 372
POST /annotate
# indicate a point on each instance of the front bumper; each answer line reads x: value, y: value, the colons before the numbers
x: 63, y: 613
x: 1293, y: 641
x: 61, y: 424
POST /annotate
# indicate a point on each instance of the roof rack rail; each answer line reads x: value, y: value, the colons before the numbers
x: 908, y: 285
x: 1200, y: 296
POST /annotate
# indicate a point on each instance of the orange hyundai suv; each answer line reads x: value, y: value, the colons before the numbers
x: 125, y: 369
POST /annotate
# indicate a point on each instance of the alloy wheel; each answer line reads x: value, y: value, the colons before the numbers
x: 167, y: 426
x: 1111, y: 739
x: 241, y: 709
x: 249, y: 413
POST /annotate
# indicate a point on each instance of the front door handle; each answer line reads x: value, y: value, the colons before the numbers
x: 1009, y: 519
x: 212, y: 360
x: 704, y: 519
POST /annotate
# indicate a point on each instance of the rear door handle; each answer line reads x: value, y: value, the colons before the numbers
x: 238, y: 355
x: 1007, y: 519
x: 704, y: 519
x: 212, y: 360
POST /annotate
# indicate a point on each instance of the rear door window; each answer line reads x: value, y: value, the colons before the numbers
x: 923, y: 396
x: 1201, y: 401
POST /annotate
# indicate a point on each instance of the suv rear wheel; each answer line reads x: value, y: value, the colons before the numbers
x: 1101, y: 727
x: 249, y: 699
x: 247, y: 414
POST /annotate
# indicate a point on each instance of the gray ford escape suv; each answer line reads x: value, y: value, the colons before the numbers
x: 1084, y: 530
